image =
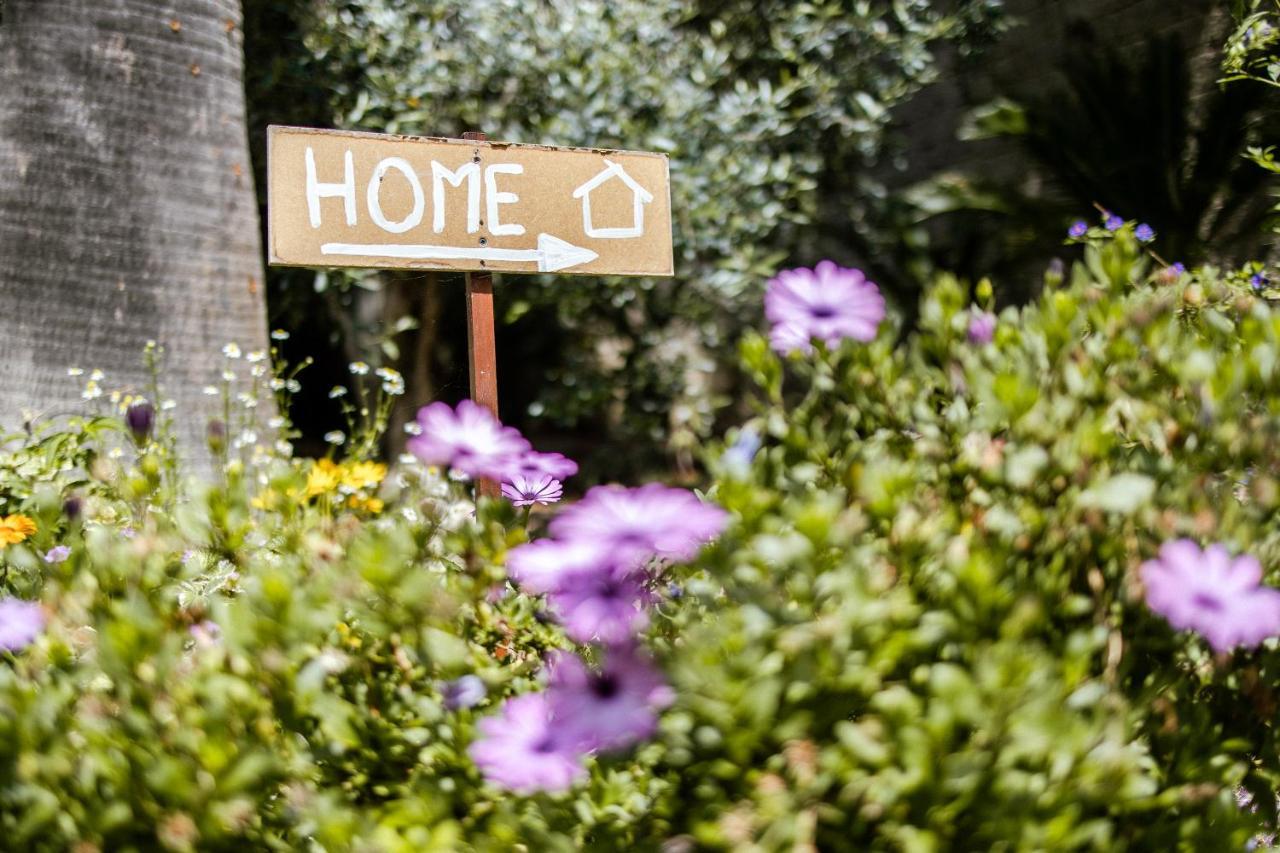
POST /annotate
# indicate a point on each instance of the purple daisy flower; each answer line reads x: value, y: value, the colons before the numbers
x: 1114, y: 223
x: 606, y: 606
x: 1144, y: 232
x: 1211, y: 593
x: 538, y: 489
x: 522, y: 750
x: 549, y: 564
x: 982, y: 327
x: 536, y: 463
x: 57, y: 554
x: 465, y: 692
x: 1078, y: 229
x: 828, y: 302
x: 468, y: 439
x: 650, y: 520
x: 20, y: 623
x: 609, y: 709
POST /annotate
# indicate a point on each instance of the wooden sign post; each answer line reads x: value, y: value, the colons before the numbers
x: 342, y: 199
x: 482, y: 345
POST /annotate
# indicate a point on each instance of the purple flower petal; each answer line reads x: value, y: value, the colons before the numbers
x: 465, y: 692
x: 828, y: 302
x: 650, y: 520
x: 521, y: 749
x: 206, y: 632
x: 548, y: 564
x: 539, y: 489
x: 20, y: 623
x: 1210, y: 592
x: 982, y: 327
x: 611, y: 708
x: 536, y: 463
x: 468, y: 439
x: 606, y: 607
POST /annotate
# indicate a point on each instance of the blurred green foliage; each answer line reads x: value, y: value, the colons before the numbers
x: 1126, y: 128
x: 923, y: 629
x: 770, y: 112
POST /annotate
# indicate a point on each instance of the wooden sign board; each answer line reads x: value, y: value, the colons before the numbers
x: 341, y: 199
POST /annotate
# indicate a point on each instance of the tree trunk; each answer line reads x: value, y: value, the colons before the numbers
x: 127, y: 210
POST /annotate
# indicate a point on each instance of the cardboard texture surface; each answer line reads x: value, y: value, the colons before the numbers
x: 341, y: 199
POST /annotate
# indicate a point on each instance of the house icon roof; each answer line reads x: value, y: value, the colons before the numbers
x: 639, y: 196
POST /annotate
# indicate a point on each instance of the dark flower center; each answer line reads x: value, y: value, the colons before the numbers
x: 822, y: 312
x: 605, y: 686
x: 545, y: 745
x: 1206, y: 601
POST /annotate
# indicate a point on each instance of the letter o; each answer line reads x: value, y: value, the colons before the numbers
x: 375, y: 189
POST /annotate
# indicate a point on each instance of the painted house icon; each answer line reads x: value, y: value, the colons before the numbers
x: 639, y: 198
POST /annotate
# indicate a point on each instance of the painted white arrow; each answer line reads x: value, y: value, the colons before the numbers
x: 551, y: 255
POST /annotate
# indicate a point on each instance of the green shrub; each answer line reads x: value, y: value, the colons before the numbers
x: 924, y: 627
x: 928, y: 630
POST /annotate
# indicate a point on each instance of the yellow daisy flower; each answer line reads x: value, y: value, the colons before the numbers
x: 323, y: 477
x: 362, y: 475
x: 15, y: 528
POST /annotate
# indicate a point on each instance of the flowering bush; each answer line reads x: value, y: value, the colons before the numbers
x: 964, y: 601
x: 1005, y: 583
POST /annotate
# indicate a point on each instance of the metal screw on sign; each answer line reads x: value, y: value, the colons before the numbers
x: 482, y: 348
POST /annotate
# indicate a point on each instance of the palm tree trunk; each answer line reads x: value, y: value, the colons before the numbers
x: 127, y: 210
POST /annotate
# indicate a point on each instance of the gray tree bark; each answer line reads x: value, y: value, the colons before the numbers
x: 127, y: 209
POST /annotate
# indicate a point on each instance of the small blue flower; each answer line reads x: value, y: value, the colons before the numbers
x: 1180, y: 268
x: 1259, y: 281
x: 1145, y: 233
x: 1078, y: 229
x: 737, y: 459
x: 1114, y: 223
x: 465, y: 692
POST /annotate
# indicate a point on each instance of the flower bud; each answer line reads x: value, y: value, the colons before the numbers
x: 1054, y: 273
x: 140, y: 418
x: 465, y: 692
x: 216, y: 436
x: 72, y: 507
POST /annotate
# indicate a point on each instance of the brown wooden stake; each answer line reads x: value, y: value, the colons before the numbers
x: 482, y: 349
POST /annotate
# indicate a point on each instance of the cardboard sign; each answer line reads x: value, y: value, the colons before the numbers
x: 340, y: 199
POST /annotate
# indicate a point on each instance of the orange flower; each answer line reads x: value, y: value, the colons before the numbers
x: 370, y: 505
x: 15, y: 528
